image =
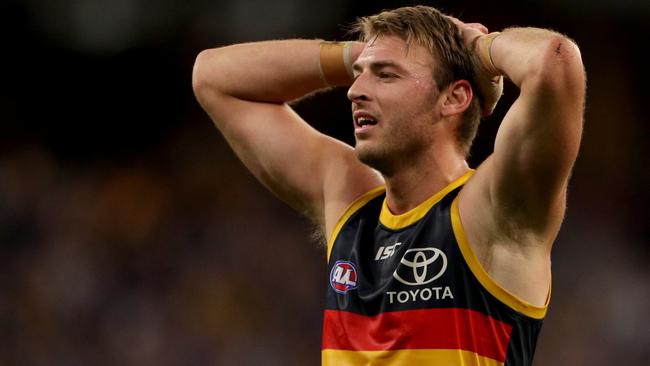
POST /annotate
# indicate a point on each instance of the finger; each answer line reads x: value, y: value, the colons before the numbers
x: 478, y: 26
x: 469, y: 34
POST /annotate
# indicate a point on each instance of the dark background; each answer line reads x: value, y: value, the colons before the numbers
x: 131, y: 235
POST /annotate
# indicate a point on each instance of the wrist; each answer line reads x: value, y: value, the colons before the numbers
x: 483, y: 49
x: 336, y: 60
x: 488, y: 77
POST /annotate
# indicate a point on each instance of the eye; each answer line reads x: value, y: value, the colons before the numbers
x: 386, y: 75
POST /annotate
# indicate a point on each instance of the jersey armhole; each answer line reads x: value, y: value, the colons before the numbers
x: 349, y: 211
x: 506, y: 297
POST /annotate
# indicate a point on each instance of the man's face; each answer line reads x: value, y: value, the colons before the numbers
x: 394, y: 101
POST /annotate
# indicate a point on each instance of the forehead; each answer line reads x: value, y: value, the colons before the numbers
x: 395, y: 49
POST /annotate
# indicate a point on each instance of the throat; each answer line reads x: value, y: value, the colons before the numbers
x: 405, y: 192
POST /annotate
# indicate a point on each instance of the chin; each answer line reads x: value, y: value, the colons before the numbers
x: 364, y: 152
x: 372, y: 158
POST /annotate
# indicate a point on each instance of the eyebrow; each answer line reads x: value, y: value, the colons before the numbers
x: 379, y: 64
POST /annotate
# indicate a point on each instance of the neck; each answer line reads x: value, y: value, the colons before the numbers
x: 421, y: 179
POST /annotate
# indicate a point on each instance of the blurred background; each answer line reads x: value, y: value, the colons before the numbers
x: 131, y: 235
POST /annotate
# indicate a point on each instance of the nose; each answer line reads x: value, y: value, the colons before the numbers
x: 358, y: 91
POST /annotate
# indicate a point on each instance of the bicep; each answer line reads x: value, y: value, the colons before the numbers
x: 290, y: 157
x: 537, y: 143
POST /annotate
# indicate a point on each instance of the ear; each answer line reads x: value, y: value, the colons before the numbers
x: 456, y: 98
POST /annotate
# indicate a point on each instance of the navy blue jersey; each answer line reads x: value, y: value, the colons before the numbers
x: 408, y: 290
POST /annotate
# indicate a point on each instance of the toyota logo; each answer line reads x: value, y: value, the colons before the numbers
x: 421, y: 266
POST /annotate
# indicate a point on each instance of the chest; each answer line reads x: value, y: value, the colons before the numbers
x: 374, y: 268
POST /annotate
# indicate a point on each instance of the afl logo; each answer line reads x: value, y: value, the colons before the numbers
x: 420, y: 266
x: 343, y: 277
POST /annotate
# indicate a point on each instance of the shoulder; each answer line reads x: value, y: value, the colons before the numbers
x: 361, y: 202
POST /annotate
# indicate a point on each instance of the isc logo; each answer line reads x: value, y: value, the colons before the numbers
x: 343, y: 277
x: 386, y: 252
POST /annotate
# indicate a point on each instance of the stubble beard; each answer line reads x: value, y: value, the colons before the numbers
x: 389, y: 156
x: 377, y: 158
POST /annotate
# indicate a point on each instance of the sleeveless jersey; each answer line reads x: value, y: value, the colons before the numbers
x: 407, y: 290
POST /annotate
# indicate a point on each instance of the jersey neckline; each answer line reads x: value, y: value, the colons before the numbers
x: 396, y: 222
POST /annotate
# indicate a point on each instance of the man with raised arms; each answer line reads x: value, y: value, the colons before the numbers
x: 430, y: 262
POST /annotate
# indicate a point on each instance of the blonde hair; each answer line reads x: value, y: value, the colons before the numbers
x: 429, y: 28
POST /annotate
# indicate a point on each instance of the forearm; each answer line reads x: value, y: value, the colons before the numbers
x: 270, y: 71
x: 535, y: 55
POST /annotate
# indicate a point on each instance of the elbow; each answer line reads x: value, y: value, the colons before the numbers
x: 200, y: 75
x: 556, y: 70
x: 564, y: 58
x: 208, y: 75
x: 560, y: 67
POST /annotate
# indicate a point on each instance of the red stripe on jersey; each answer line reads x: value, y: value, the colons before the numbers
x: 446, y: 328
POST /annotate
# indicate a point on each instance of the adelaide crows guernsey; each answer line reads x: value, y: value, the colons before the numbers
x: 407, y: 290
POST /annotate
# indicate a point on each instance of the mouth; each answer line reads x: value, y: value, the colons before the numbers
x: 361, y: 122
x: 362, y: 119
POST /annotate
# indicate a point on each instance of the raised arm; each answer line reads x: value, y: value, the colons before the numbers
x: 244, y: 89
x: 513, y: 206
x: 525, y: 179
x: 538, y: 141
x: 272, y: 72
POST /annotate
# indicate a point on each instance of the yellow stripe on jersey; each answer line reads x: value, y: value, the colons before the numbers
x: 505, y: 296
x: 406, y: 357
x: 395, y: 222
x: 352, y: 208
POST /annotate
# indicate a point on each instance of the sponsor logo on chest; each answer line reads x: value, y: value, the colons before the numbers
x: 419, y: 267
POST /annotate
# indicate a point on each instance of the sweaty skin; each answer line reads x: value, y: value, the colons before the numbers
x: 511, y: 208
x: 412, y: 141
